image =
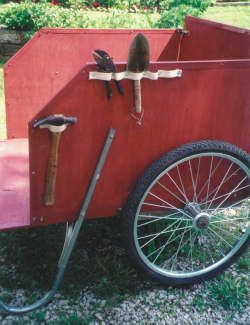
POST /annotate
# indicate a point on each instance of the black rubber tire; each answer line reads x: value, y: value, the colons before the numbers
x: 143, y: 183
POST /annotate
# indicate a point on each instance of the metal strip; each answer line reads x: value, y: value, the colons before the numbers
x: 71, y: 236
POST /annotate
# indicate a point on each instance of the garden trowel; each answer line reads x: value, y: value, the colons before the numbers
x: 138, y: 61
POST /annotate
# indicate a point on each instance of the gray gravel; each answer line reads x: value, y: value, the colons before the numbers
x: 112, y: 292
x: 149, y: 306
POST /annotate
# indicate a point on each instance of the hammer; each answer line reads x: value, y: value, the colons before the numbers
x: 56, y: 124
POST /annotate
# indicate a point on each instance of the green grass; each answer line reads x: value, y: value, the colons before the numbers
x: 232, y: 15
x: 118, y: 18
x: 229, y: 291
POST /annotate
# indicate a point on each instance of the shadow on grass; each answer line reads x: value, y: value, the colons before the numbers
x: 29, y: 258
x: 29, y: 262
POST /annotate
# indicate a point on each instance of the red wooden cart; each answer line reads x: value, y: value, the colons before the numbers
x: 185, y: 210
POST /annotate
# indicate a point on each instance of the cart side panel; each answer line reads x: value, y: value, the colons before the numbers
x: 214, y: 41
x: 53, y: 56
x: 210, y: 101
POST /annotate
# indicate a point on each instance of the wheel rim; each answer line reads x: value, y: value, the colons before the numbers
x: 194, y: 216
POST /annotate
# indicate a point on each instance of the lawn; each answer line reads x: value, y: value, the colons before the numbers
x: 232, y: 15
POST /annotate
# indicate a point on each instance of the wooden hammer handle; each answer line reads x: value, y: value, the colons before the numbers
x: 137, y: 94
x: 50, y: 182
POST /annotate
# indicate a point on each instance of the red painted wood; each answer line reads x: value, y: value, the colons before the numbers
x: 14, y: 186
x: 214, y: 41
x: 210, y: 101
x: 48, y: 61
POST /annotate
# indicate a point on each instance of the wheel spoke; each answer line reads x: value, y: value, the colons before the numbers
x: 173, y: 181
x: 223, y: 195
x: 151, y: 216
x: 174, y: 195
x: 225, y: 231
x: 162, y: 232
x: 212, y: 173
x: 163, y: 246
x: 230, y: 206
x: 213, y: 240
x: 156, y: 250
x: 210, y: 254
x: 178, y: 250
x: 228, y: 220
x: 197, y: 177
x: 205, y: 184
x: 193, y: 182
x: 191, y: 247
x: 169, y: 204
x: 180, y: 179
x: 215, y: 189
x: 157, y: 218
x: 209, y: 178
x: 215, y: 233
x: 158, y: 206
x: 233, y: 191
x: 156, y: 235
x: 221, y: 183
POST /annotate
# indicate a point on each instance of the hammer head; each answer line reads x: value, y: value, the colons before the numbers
x: 55, y: 123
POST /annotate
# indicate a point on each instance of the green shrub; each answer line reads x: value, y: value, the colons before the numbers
x: 201, y: 5
x: 149, y: 3
x: 76, y: 4
x: 17, y: 17
x: 32, y: 17
x: 175, y: 16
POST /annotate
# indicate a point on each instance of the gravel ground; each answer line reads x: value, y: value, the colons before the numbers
x: 157, y: 306
x: 102, y: 287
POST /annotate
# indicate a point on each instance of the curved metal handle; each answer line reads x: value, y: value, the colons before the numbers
x: 70, y: 237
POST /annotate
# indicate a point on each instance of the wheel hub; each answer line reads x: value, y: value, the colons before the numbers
x: 201, y: 221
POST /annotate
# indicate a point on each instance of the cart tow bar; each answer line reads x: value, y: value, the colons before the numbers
x: 71, y: 235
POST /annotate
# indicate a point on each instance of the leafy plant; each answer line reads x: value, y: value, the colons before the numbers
x: 75, y: 4
x: 175, y: 16
x: 201, y: 5
x: 17, y: 17
x: 229, y: 292
x: 31, y: 17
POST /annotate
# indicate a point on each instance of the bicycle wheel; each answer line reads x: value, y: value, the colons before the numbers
x: 187, y: 218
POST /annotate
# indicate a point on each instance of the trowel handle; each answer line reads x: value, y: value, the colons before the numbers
x: 137, y: 94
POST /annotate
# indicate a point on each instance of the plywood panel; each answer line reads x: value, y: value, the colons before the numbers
x: 210, y: 101
x: 214, y: 41
x: 46, y: 63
